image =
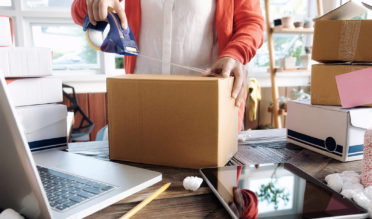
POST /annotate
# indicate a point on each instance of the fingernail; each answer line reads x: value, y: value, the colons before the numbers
x: 234, y: 95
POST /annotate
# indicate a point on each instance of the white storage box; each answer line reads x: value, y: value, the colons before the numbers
x: 328, y: 130
x: 45, y: 126
x: 25, y: 62
x: 32, y: 91
x: 6, y: 33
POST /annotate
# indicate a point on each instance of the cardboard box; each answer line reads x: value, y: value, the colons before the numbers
x: 323, y: 82
x: 25, y: 62
x: 32, y: 91
x: 45, y: 126
x: 180, y: 121
x: 6, y: 33
x: 338, y: 38
x: 328, y: 130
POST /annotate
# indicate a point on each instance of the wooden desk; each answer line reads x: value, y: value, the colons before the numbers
x: 179, y: 203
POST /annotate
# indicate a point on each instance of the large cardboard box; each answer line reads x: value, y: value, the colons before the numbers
x: 323, y: 82
x: 328, y: 130
x: 180, y: 121
x: 337, y: 37
x: 45, y: 125
x: 32, y: 91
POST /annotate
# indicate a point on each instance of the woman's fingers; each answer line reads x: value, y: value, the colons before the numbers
x: 120, y: 11
x: 238, y: 82
x: 98, y: 10
x: 90, y: 12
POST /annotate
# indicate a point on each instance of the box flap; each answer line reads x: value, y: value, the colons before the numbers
x: 36, y: 117
x: 346, y: 11
x: 167, y: 77
x: 324, y: 107
x: 361, y: 118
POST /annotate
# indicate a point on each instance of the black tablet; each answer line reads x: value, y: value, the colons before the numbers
x: 277, y: 191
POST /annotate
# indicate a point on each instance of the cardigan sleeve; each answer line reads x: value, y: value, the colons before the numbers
x: 79, y: 11
x: 248, y: 29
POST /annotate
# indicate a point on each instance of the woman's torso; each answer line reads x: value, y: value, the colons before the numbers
x: 177, y: 31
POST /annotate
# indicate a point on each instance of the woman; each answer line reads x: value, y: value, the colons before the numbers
x: 221, y: 35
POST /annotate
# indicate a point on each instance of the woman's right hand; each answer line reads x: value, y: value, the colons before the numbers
x: 98, y: 9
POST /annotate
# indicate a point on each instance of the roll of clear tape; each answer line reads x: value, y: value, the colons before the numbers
x: 348, y: 43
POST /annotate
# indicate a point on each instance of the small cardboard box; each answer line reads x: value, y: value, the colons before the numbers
x: 45, y: 125
x: 180, y: 121
x: 32, y: 91
x: 323, y: 82
x: 338, y: 38
x: 329, y: 130
x: 18, y: 62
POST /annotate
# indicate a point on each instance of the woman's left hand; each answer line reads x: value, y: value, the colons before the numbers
x: 226, y: 67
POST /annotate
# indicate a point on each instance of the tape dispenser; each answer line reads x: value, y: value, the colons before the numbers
x: 116, y: 40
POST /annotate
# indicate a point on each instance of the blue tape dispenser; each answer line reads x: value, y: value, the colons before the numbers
x: 118, y: 40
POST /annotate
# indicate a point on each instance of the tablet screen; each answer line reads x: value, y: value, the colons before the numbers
x: 275, y: 190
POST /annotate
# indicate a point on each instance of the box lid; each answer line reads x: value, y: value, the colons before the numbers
x: 37, y: 117
x: 361, y: 118
x: 346, y: 11
x: 165, y: 77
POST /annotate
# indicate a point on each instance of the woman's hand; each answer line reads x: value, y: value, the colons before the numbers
x: 226, y: 67
x: 98, y: 9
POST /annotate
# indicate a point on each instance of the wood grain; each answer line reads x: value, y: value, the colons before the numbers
x: 97, y: 112
x: 176, y: 202
x: 94, y: 106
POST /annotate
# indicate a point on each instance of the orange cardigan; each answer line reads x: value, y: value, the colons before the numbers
x: 239, y: 25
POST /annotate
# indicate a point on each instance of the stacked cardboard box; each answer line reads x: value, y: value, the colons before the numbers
x: 342, y: 46
x: 34, y: 93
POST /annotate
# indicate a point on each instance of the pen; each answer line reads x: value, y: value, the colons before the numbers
x: 145, y: 202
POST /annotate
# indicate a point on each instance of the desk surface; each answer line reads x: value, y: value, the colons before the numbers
x: 176, y: 202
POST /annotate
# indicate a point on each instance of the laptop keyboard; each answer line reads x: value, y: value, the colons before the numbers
x: 65, y: 191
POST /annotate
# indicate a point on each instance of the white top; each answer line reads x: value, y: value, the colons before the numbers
x: 177, y: 31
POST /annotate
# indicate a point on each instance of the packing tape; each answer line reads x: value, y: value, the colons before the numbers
x: 349, y: 35
x: 203, y: 71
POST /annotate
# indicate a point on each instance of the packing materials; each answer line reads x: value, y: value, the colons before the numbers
x: 45, y: 125
x: 355, y: 88
x: 25, y: 62
x: 329, y: 130
x: 32, y: 91
x: 6, y: 33
x: 181, y: 121
x: 367, y: 160
x: 323, y: 82
x: 338, y: 38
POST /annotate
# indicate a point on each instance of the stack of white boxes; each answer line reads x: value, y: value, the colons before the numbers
x: 34, y: 93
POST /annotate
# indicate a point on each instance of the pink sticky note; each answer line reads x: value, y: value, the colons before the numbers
x: 355, y: 88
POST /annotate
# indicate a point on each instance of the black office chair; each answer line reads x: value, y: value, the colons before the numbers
x: 86, y: 125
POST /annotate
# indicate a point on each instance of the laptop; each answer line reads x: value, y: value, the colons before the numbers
x: 57, y: 184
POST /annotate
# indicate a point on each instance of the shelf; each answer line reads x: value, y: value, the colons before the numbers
x: 292, y: 30
x: 281, y: 112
